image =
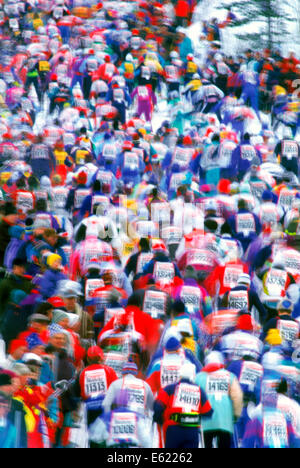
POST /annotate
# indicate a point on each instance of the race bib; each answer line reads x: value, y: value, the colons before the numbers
x: 238, y: 300
x: 116, y: 361
x: 290, y: 149
x: 80, y: 195
x: 268, y: 214
x: 257, y: 189
x: 191, y: 297
x: 231, y: 275
x: 250, y: 374
x: 109, y: 152
x: 286, y: 198
x: 136, y: 396
x: 171, y: 234
x: 160, y: 212
x: 123, y: 427
x: 275, y: 282
x: 90, y: 287
x: 143, y: 92
x: 182, y: 156
x: 112, y: 313
x: 24, y: 202
x: 60, y: 196
x: 176, y: 181
x: 164, y: 272
x: 118, y: 95
x: 247, y: 152
x: 155, y: 303
x: 95, y: 383
x: 147, y: 228
x: 245, y: 223
x: 143, y: 259
x: 187, y: 398
x: 217, y: 385
x: 199, y: 257
x: 288, y: 330
x: 169, y: 374
x: 275, y: 433
x: 292, y: 262
x: 131, y: 161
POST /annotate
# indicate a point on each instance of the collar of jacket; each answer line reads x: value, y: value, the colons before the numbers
x: 213, y: 367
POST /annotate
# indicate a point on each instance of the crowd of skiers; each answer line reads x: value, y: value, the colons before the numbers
x: 149, y: 231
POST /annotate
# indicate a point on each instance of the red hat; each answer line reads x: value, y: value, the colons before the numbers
x: 245, y: 322
x: 127, y: 145
x: 56, y: 302
x: 15, y: 344
x: 224, y: 186
x: 95, y: 352
x: 107, y: 58
x: 187, y: 140
x: 82, y: 178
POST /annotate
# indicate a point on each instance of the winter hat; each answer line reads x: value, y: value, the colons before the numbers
x: 59, y: 315
x: 56, y: 302
x: 33, y: 359
x: 33, y: 340
x: 273, y: 337
x: 52, y: 258
x: 45, y: 182
x: 267, y: 195
x: 224, y: 186
x: 16, y: 344
x: 285, y: 305
x: 244, y: 278
x: 172, y: 345
x: 21, y: 369
x: 130, y: 368
x: 244, y: 323
x: 73, y: 319
x: 95, y: 352
x: 214, y: 357
x: 188, y: 371
x: 82, y: 178
x: 55, y: 329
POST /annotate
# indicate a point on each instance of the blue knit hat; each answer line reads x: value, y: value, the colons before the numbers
x: 172, y: 344
x: 267, y: 195
x: 130, y: 368
x: 33, y: 340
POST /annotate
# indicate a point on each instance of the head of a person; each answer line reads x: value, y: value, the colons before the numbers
x: 54, y: 262
x: 130, y: 368
x: 50, y: 236
x: 5, y: 405
x: 285, y: 307
x: 242, y: 204
x: 172, y: 345
x: 95, y: 355
x: 244, y: 280
x: 35, y: 345
x: 34, y: 364
x: 17, y: 349
x: 144, y: 244
x: 19, y: 267
x: 61, y: 318
x: 177, y: 308
x: 9, y: 382
x: 38, y: 322
x: 57, y: 337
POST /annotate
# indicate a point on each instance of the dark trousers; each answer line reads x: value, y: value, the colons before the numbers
x: 223, y: 439
x: 178, y: 437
